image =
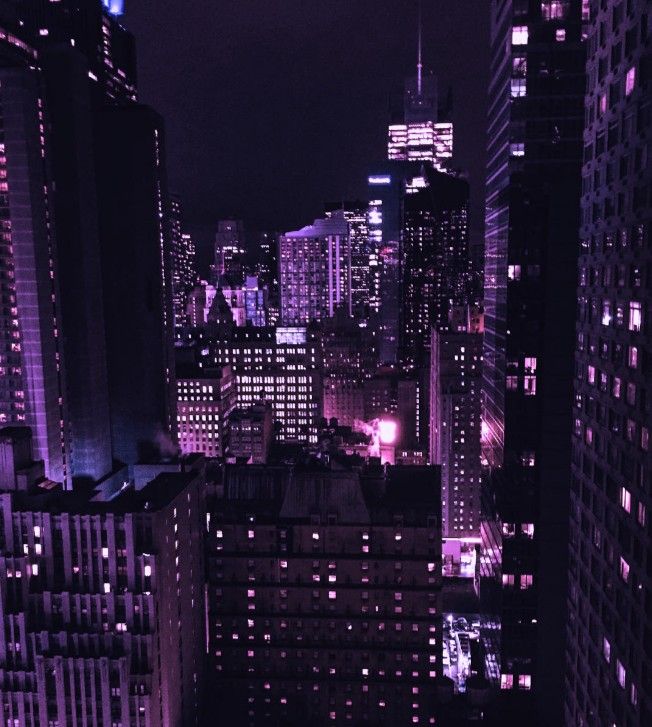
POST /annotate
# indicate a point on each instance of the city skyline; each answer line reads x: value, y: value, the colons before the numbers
x: 385, y: 461
x: 286, y: 122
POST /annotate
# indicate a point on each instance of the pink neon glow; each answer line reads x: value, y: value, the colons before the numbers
x: 387, y: 430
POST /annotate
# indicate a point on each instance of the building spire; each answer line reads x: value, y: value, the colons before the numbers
x: 419, y: 63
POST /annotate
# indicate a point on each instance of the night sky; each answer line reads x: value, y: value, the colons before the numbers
x: 273, y: 106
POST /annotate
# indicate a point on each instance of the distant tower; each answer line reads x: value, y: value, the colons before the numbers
x: 420, y: 135
x: 184, y: 274
x: 230, y: 251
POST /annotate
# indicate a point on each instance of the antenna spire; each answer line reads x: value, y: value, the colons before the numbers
x: 419, y: 63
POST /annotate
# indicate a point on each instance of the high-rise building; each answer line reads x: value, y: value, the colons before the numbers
x: 102, y: 598
x: 137, y: 278
x: 184, y: 273
x: 93, y: 29
x: 32, y: 385
x: 455, y: 395
x: 315, y: 271
x: 365, y: 262
x: 384, y: 214
x: 68, y: 102
x: 532, y: 216
x: 268, y: 274
x: 230, y: 252
x: 282, y: 366
x: 609, y: 626
x: 421, y: 133
x: 350, y: 350
x: 205, y: 400
x: 325, y: 594
x: 435, y: 267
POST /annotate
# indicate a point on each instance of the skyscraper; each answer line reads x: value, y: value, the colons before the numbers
x: 136, y: 270
x: 455, y: 383
x: 230, y: 251
x: 421, y: 133
x: 386, y: 185
x: 184, y: 274
x: 32, y: 387
x: 315, y: 271
x: 92, y: 28
x: 609, y: 650
x: 435, y: 266
x: 69, y: 111
x: 365, y: 263
x: 532, y: 217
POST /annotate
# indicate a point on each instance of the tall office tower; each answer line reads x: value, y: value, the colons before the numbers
x: 455, y: 395
x: 101, y: 598
x: 384, y: 214
x: 532, y: 217
x: 31, y: 353
x: 205, y: 400
x: 421, y: 133
x: 609, y: 629
x: 230, y: 251
x: 92, y: 27
x: 136, y: 269
x: 69, y: 112
x: 365, y: 263
x: 281, y: 366
x: 315, y: 271
x: 435, y: 266
x: 268, y: 274
x: 184, y: 274
x: 324, y: 595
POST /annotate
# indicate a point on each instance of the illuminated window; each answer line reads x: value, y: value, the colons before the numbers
x: 519, y: 35
x: 560, y: 35
x: 526, y: 582
x: 624, y: 570
x: 621, y: 674
x: 524, y: 681
x: 518, y: 87
x: 554, y: 9
x: 625, y: 499
x: 606, y: 650
x: 517, y: 149
x: 635, y: 316
x: 514, y: 272
x: 506, y: 681
x: 630, y: 80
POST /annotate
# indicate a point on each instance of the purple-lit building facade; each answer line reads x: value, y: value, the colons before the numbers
x: 315, y: 271
x: 205, y: 400
x: 101, y: 599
